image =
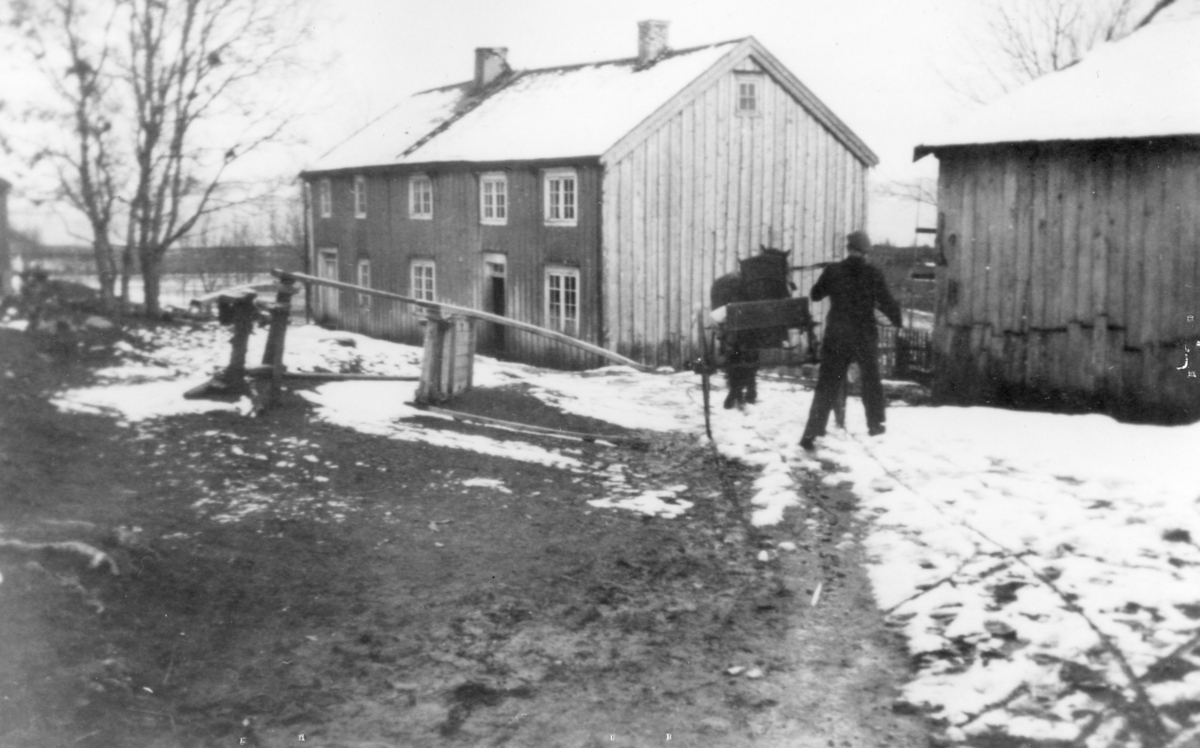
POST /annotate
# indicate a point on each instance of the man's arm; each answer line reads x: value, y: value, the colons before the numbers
x: 820, y: 289
x: 885, y: 301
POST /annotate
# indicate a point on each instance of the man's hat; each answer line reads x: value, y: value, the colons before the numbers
x: 858, y: 241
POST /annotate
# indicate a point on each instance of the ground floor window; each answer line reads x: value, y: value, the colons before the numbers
x: 423, y: 284
x: 364, y: 280
x: 327, y: 268
x: 562, y: 300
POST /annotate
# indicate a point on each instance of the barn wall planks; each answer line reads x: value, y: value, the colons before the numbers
x: 707, y: 188
x: 1071, y: 277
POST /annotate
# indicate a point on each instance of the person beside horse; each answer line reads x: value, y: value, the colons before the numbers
x: 855, y: 290
x: 759, y: 278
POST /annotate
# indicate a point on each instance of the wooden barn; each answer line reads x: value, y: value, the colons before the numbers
x: 596, y: 199
x: 1069, y: 221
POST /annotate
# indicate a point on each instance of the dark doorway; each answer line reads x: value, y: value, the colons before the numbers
x: 495, y: 289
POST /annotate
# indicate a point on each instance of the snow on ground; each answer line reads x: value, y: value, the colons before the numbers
x: 1044, y: 568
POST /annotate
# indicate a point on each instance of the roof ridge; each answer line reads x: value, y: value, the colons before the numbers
x: 578, y: 65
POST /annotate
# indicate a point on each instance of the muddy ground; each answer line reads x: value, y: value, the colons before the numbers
x: 283, y: 581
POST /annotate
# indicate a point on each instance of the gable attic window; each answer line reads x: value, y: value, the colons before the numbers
x: 360, y: 197
x: 749, y: 92
x: 420, y: 197
x: 325, y: 198
x: 493, y: 199
x: 561, y: 197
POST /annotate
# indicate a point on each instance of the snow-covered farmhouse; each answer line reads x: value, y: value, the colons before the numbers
x: 1069, y: 218
x: 597, y: 199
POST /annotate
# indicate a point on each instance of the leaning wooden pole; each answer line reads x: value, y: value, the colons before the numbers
x: 449, y: 309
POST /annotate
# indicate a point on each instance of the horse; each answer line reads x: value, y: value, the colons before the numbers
x: 758, y: 278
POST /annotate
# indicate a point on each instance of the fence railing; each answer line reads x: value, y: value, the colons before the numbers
x: 905, y: 353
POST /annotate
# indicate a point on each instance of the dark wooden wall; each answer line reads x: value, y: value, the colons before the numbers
x: 457, y: 242
x: 1072, y: 277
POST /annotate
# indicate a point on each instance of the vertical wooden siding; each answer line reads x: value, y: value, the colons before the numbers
x: 1072, y: 276
x: 707, y: 188
x: 456, y: 241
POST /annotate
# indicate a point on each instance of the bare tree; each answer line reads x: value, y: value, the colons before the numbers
x: 184, y: 82
x: 920, y: 190
x: 87, y: 162
x: 1025, y: 39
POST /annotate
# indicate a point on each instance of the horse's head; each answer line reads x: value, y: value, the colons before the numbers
x: 764, y: 249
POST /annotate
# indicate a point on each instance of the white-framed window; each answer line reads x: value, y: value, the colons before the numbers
x: 364, y: 280
x: 325, y: 198
x: 560, y: 188
x: 424, y: 280
x: 493, y: 198
x: 749, y: 90
x: 360, y: 197
x: 328, y: 299
x: 420, y: 197
x: 562, y: 299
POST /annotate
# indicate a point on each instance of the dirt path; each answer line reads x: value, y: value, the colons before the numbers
x: 282, y: 577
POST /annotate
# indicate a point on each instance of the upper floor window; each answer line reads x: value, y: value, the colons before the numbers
x: 420, y: 197
x: 561, y: 197
x: 562, y: 300
x: 493, y: 199
x: 748, y: 93
x: 325, y: 198
x: 360, y: 197
x: 423, y: 280
x: 364, y: 280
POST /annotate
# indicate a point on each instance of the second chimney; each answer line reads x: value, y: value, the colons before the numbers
x: 652, y: 41
x: 490, y: 64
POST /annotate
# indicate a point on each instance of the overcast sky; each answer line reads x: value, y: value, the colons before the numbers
x: 880, y: 65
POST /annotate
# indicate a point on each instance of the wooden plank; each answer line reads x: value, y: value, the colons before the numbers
x: 1135, y: 243
x: 684, y: 195
x: 1074, y: 184
x: 1038, y: 247
x: 1057, y: 201
x: 1159, y: 213
x: 1099, y: 376
x: 1081, y: 308
x: 1116, y: 226
x: 790, y: 179
x: 1006, y: 267
x: 1187, y: 288
x: 721, y: 216
x: 964, y: 272
x: 761, y: 164
x: 994, y: 232
x: 706, y: 135
x: 657, y: 208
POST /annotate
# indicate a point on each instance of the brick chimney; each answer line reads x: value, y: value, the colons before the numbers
x: 490, y: 64
x: 652, y: 41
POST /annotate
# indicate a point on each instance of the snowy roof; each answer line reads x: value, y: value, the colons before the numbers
x: 576, y: 111
x: 559, y: 112
x: 1141, y: 86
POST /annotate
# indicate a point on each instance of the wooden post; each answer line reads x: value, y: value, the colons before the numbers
x: 276, y: 335
x: 429, y: 391
x: 238, y: 311
x: 448, y: 361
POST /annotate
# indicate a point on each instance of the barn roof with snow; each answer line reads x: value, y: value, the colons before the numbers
x: 574, y: 111
x: 1142, y: 86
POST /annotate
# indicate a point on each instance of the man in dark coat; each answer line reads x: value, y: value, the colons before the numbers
x: 855, y: 289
